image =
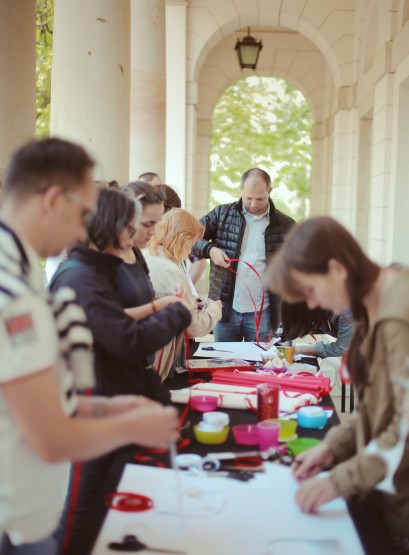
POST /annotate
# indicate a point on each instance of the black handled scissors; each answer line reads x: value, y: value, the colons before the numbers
x: 217, y: 350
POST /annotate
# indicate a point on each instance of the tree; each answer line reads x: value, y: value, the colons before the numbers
x: 263, y: 122
x: 44, y: 45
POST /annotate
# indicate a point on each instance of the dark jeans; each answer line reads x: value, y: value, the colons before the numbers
x: 241, y: 326
x: 93, y: 474
x: 44, y: 547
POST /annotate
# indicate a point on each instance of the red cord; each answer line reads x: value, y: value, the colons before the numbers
x: 343, y: 370
x: 257, y: 313
x: 76, y: 479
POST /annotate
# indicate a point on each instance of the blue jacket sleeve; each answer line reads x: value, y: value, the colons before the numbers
x: 340, y: 346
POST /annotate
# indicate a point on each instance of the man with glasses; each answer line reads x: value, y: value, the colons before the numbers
x: 45, y: 355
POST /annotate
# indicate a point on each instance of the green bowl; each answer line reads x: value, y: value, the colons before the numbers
x: 302, y: 444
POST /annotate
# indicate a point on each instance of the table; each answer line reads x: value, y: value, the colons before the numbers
x: 367, y: 518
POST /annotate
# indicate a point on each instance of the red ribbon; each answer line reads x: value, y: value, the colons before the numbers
x: 257, y: 313
x: 76, y: 479
x: 343, y: 370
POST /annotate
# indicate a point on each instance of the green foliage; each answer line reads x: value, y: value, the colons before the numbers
x: 44, y: 45
x: 262, y: 122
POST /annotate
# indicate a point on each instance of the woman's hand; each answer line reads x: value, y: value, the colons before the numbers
x: 177, y: 290
x: 311, y: 462
x: 162, y: 302
x: 315, y: 492
x: 304, y: 350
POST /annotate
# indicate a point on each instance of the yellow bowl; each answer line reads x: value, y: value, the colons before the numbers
x: 211, y: 437
x: 287, y: 428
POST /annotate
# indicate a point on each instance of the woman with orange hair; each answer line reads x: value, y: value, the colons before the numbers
x: 175, y: 234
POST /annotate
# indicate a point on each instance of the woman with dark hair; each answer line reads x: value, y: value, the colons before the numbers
x: 322, y: 264
x: 172, y: 199
x: 122, y: 346
x: 134, y: 286
x: 297, y: 320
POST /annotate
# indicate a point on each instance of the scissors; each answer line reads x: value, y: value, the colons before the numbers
x: 130, y: 542
x: 217, y: 350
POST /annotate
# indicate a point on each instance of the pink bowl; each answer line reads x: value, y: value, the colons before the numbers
x: 203, y: 403
x: 245, y: 434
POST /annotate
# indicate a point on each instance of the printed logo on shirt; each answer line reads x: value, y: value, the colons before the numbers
x: 20, y: 329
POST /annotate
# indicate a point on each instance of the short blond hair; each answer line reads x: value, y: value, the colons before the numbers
x: 173, y: 232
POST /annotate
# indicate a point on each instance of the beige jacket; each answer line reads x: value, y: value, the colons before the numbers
x: 386, y: 351
x: 164, y: 274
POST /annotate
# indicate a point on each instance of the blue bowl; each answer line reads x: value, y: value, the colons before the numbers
x: 312, y: 417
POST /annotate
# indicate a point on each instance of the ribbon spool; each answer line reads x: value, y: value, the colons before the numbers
x: 128, y: 502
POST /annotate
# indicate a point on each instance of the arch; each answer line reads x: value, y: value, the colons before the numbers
x: 294, y: 59
x: 205, y: 43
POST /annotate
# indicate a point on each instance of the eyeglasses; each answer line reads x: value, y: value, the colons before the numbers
x: 131, y: 231
x: 87, y: 212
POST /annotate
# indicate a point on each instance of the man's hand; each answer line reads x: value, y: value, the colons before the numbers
x: 219, y: 257
x: 124, y: 403
x: 154, y: 425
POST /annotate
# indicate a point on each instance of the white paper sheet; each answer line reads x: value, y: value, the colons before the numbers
x: 245, y: 350
x: 226, y: 517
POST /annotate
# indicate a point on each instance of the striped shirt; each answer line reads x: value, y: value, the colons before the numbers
x: 37, y: 331
x: 253, y: 251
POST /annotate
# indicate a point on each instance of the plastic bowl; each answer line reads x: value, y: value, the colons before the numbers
x: 203, y: 403
x: 221, y: 418
x: 211, y: 438
x: 302, y: 444
x: 312, y: 417
x: 287, y: 428
x: 245, y: 434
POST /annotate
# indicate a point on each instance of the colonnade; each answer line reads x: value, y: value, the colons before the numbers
x: 108, y: 88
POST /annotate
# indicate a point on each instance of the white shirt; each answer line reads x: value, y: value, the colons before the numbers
x: 253, y: 251
x: 31, y: 491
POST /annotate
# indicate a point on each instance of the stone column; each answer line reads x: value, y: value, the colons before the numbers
x: 91, y: 81
x: 382, y: 218
x: 176, y: 95
x: 17, y: 75
x: 344, y: 167
x: 148, y: 88
x: 191, y: 144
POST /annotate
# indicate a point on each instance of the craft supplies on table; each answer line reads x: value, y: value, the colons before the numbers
x: 238, y: 397
x: 268, y: 401
x: 312, y: 417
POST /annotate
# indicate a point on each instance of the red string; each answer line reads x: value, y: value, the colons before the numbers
x: 73, y: 502
x: 160, y: 361
x: 257, y: 313
x: 76, y: 479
